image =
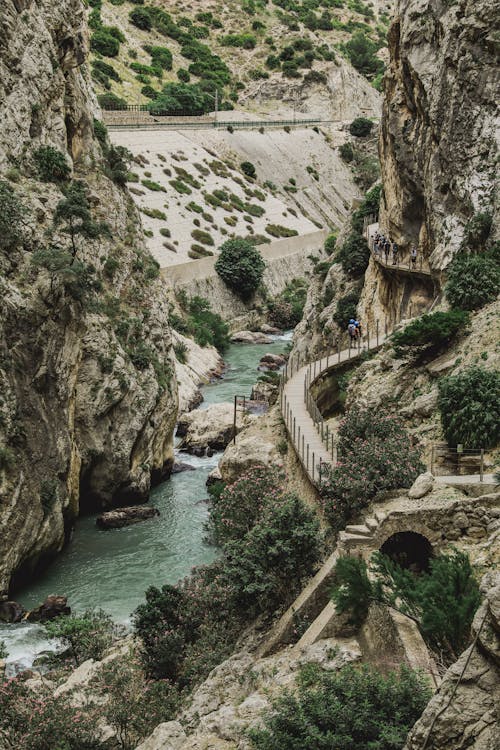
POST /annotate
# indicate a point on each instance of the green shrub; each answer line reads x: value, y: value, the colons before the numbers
x: 160, y: 56
x: 360, y: 127
x: 248, y: 168
x: 361, y: 51
x: 205, y: 326
x: 106, y: 69
x: 154, y: 213
x: 180, y: 187
x: 375, y: 453
x: 442, y: 600
x: 330, y: 243
x: 276, y: 230
x: 247, y: 41
x: 181, y: 351
x: 477, y: 231
x: 87, y: 636
x: 189, y: 628
x: 315, y: 76
x: 183, y: 75
x: 346, y: 309
x: 355, y: 708
x: 52, y: 165
x: 111, y: 101
x: 151, y: 185
x: 473, y: 281
x: 434, y: 330
x: 346, y: 152
x: 12, y: 216
x: 354, y: 255
x: 181, y: 99
x: 469, y: 404
x: 141, y: 17
x: 287, y: 309
x: 104, y: 43
x: 240, y: 266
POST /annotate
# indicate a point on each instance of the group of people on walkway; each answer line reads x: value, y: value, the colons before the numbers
x: 383, y: 248
x: 354, y: 330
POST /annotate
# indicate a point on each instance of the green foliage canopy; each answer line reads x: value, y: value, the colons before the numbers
x: 241, y: 266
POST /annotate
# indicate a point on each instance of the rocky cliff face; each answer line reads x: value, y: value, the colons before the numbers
x: 438, y: 145
x: 464, y: 711
x: 87, y: 382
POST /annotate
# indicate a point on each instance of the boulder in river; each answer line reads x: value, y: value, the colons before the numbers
x: 210, y: 428
x: 53, y: 606
x: 119, y: 517
x: 250, y: 337
x: 180, y: 467
x: 11, y: 612
x: 266, y: 328
x: 271, y: 362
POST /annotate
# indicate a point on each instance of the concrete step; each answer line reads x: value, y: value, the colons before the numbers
x: 380, y: 515
x: 358, y: 530
x: 321, y: 627
x: 372, y: 523
x: 353, y: 539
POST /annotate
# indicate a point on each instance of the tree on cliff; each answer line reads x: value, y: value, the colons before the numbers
x: 240, y: 266
x: 73, y: 213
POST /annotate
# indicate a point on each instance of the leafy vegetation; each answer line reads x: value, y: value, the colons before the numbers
x: 87, y: 636
x: 206, y: 327
x: 374, y: 453
x: 52, y: 165
x: 352, y: 709
x: 469, y: 404
x: 287, y: 309
x: 360, y: 127
x: 354, y: 254
x: 442, y: 601
x: 434, y: 330
x: 188, y: 628
x: 346, y: 309
x: 473, y: 280
x: 361, y: 51
x: 12, y: 216
x: 240, y: 266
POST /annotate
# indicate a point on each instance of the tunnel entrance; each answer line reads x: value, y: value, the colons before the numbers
x: 409, y: 550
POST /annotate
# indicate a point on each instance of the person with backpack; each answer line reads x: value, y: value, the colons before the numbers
x: 387, y: 247
x: 352, y: 330
x: 358, y: 329
x: 413, y: 256
x: 395, y: 250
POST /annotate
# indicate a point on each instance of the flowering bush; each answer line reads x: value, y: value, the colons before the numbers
x: 375, y: 453
x: 32, y: 720
x: 236, y: 509
x: 270, y: 544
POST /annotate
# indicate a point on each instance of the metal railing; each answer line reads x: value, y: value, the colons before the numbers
x: 312, y: 463
x: 461, y: 461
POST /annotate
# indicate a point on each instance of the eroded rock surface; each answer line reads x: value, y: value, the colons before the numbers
x: 468, y: 714
x: 116, y: 519
x: 88, y: 387
x: 210, y: 428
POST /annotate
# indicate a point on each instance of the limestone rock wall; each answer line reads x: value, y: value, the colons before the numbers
x: 86, y: 410
x: 466, y: 715
x: 438, y: 143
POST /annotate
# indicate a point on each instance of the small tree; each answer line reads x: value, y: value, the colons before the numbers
x: 12, y: 213
x: 241, y: 266
x: 248, y: 168
x: 73, y: 213
x: 469, y: 404
x: 434, y: 330
x: 51, y: 164
x: 87, y: 636
x: 360, y: 127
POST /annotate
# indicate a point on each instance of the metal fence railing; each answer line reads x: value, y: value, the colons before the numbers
x: 458, y: 461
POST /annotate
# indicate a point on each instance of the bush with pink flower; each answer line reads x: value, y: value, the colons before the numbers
x: 375, y: 453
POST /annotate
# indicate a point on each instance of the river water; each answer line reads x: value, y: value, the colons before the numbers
x: 112, y: 569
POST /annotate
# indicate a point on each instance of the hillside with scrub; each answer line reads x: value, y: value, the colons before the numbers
x: 176, y: 57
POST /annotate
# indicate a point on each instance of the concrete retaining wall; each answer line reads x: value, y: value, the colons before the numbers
x: 285, y: 260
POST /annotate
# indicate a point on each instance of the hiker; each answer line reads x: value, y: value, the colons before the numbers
x: 387, y: 247
x: 352, y: 330
x: 395, y: 250
x: 359, y: 332
x: 413, y: 256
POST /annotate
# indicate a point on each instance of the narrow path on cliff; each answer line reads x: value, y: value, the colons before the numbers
x: 314, y: 444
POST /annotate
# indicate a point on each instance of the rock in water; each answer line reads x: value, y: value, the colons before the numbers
x: 53, y: 606
x: 211, y: 428
x: 250, y: 337
x: 116, y: 519
x: 11, y: 612
x: 272, y: 362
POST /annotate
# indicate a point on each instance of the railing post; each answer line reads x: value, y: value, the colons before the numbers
x: 368, y: 337
x: 307, y: 460
x: 481, y: 467
x: 313, y: 466
x: 377, y: 332
x: 294, y: 430
x: 302, y: 448
x: 234, y: 419
x: 298, y: 437
x: 350, y: 342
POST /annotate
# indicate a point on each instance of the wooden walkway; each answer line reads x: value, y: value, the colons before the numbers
x: 314, y: 444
